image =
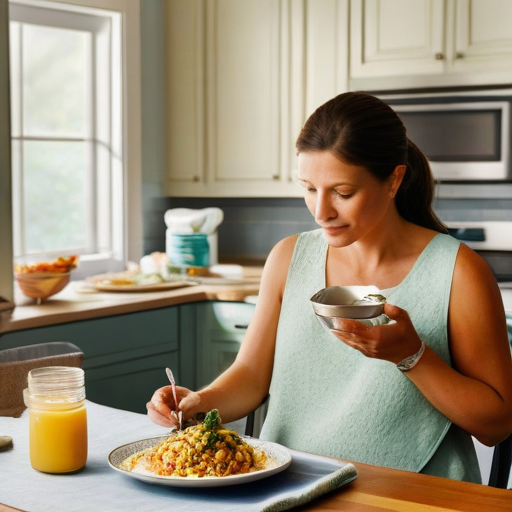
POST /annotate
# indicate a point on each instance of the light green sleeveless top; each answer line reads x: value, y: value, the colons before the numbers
x: 328, y: 398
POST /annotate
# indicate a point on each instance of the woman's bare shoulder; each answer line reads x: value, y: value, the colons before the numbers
x: 277, y: 264
x: 475, y: 291
x: 471, y: 268
x: 284, y: 248
x: 281, y: 254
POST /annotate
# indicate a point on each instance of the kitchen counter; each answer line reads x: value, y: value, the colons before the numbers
x: 73, y: 303
x: 77, y: 302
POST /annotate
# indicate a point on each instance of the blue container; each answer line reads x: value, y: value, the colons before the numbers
x: 188, y: 250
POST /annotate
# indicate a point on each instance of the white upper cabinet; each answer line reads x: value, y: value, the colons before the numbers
x: 397, y: 44
x: 483, y: 36
x: 396, y: 37
x: 242, y: 76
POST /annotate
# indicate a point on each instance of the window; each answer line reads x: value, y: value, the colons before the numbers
x: 68, y: 127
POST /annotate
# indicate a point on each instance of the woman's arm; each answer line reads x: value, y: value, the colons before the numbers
x: 477, y: 393
x: 244, y: 385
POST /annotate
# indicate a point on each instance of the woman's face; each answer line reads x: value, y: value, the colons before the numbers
x: 347, y: 201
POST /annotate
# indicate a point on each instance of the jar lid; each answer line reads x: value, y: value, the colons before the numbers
x: 56, y: 380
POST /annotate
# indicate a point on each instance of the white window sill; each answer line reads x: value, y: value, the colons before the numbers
x: 93, y: 264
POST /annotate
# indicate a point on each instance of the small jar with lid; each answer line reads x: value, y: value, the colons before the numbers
x: 55, y: 398
x: 188, y: 250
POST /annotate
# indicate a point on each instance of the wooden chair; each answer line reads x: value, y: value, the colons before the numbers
x: 15, y: 364
x: 501, y: 464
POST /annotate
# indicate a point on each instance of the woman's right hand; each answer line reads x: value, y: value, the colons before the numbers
x: 162, y: 404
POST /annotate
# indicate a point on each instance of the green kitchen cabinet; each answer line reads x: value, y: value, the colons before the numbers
x: 124, y: 355
x: 221, y: 328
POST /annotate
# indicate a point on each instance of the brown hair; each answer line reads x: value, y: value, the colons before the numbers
x: 360, y: 129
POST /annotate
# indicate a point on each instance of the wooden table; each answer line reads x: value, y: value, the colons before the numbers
x: 376, y: 489
x: 380, y: 490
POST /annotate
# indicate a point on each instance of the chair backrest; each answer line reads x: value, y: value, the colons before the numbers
x: 16, y: 363
x: 501, y: 464
x: 256, y: 418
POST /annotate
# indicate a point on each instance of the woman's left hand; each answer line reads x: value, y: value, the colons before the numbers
x: 391, y: 342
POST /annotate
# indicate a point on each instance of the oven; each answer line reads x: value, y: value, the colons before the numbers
x: 492, y: 241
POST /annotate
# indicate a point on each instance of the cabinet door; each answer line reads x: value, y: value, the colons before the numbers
x: 220, y: 333
x: 482, y: 36
x: 236, y: 73
x: 244, y: 50
x: 185, y: 86
x: 129, y: 385
x: 396, y: 37
x: 225, y: 108
x: 326, y: 25
x: 124, y: 356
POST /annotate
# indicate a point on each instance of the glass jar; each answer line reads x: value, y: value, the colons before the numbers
x: 55, y: 398
x: 188, y: 250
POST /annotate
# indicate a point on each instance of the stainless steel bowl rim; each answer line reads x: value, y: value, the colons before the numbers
x: 340, y: 302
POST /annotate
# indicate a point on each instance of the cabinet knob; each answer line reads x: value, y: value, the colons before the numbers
x: 459, y: 55
x: 195, y: 177
x: 275, y: 177
x: 439, y: 56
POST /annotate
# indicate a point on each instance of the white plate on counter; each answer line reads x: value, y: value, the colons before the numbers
x: 123, y: 282
x: 279, y: 454
x: 109, y: 287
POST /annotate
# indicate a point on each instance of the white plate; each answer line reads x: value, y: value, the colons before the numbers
x: 103, y: 282
x: 168, y: 285
x: 280, y: 455
x: 218, y: 280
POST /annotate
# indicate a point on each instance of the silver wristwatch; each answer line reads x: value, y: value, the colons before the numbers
x: 409, y: 362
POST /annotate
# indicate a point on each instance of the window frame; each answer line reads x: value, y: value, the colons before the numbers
x: 123, y: 135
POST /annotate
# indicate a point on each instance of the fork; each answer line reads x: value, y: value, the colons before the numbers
x: 178, y: 417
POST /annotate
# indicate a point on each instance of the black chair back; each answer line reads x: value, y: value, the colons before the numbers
x: 501, y: 464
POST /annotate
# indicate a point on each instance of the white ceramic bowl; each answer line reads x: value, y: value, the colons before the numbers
x: 345, y: 302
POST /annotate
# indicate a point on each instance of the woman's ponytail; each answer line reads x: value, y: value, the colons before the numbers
x: 416, y: 193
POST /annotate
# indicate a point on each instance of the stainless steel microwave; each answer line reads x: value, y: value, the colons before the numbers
x: 466, y: 139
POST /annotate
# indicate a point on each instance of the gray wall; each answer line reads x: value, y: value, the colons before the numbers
x: 252, y: 226
x: 153, y: 123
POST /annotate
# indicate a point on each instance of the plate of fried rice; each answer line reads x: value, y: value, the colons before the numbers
x: 200, y: 456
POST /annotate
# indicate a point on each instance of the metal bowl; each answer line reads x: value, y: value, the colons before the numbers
x: 346, y: 302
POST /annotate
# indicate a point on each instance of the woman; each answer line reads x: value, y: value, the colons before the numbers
x: 342, y: 393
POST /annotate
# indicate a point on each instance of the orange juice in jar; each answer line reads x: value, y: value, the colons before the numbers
x: 55, y: 398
